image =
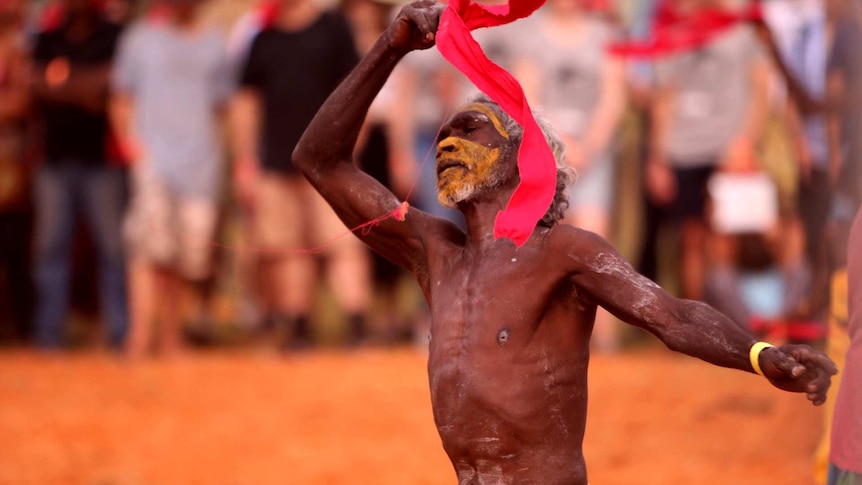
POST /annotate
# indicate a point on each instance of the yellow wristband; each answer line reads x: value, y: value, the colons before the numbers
x: 754, y: 355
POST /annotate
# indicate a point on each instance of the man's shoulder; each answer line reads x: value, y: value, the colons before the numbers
x: 575, y: 243
x: 567, y: 233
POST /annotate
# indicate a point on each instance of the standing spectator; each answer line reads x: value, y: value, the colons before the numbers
x: 15, y: 206
x: 709, y: 112
x: 292, y: 66
x: 69, y: 85
x: 377, y: 154
x: 836, y: 460
x: 567, y: 71
x: 800, y: 31
x: 641, y: 80
x: 170, y: 82
x: 846, y: 446
x: 844, y: 92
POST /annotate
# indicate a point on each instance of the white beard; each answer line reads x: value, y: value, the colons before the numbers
x: 471, y: 190
x: 452, y: 199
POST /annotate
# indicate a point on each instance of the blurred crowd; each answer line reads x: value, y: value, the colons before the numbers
x: 145, y: 160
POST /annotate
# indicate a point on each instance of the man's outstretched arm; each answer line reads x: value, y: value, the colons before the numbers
x: 324, y: 154
x: 691, y: 327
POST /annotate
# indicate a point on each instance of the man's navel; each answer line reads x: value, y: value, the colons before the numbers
x: 503, y: 337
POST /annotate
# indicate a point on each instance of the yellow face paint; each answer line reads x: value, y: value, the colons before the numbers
x: 467, y: 168
x: 487, y: 111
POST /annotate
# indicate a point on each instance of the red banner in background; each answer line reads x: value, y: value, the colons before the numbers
x: 674, y: 31
x: 536, y: 165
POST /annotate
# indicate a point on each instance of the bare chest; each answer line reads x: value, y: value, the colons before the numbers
x: 500, y: 326
x: 489, y: 303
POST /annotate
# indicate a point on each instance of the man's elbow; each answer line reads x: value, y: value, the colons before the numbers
x: 309, y: 159
x: 302, y: 158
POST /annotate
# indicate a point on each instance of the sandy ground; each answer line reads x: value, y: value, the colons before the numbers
x: 365, y: 418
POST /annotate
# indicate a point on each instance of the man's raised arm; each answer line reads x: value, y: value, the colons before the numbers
x: 324, y: 154
x: 691, y: 327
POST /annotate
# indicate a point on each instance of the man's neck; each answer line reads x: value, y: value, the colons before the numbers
x: 480, y: 217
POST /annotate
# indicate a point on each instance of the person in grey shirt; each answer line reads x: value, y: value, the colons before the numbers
x: 708, y: 114
x: 171, y: 80
x: 567, y: 71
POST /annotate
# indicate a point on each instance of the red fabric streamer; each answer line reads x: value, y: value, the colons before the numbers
x: 536, y: 165
x: 674, y: 31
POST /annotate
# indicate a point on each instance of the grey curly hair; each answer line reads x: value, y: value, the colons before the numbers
x: 566, y: 176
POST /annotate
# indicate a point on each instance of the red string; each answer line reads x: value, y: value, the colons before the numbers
x: 399, y: 214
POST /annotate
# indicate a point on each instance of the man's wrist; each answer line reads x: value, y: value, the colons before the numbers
x: 754, y: 355
x: 390, y: 48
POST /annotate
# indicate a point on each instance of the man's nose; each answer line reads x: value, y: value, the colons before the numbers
x: 447, y: 145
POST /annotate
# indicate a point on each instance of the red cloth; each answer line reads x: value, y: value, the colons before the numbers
x: 674, y: 31
x: 536, y: 165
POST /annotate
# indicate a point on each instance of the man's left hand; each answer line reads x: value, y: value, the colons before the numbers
x: 799, y: 368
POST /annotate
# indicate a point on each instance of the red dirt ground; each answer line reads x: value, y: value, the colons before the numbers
x: 656, y: 418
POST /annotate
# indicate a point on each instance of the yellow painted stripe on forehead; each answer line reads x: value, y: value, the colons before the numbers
x: 487, y: 111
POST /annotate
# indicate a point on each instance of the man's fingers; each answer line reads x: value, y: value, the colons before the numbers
x: 818, y: 397
x: 788, y: 366
x: 820, y: 383
x: 426, y: 17
x: 799, y: 368
x: 423, y: 25
x: 812, y: 358
x: 826, y: 364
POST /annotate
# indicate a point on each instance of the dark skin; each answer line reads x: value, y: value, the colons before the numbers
x: 511, y: 326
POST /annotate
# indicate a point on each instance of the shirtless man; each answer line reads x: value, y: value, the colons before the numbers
x: 511, y: 326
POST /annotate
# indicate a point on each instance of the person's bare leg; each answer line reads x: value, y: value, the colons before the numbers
x: 723, y: 249
x: 142, y: 292
x: 254, y: 304
x: 788, y: 242
x: 295, y: 277
x: 722, y: 281
x: 693, y: 268
x: 606, y: 335
x: 171, y: 292
x: 349, y: 276
x: 789, y: 246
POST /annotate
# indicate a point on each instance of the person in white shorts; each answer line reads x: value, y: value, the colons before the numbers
x: 170, y: 81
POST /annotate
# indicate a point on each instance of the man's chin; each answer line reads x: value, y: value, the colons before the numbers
x: 451, y: 199
x: 448, y: 202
